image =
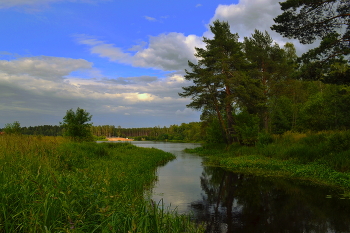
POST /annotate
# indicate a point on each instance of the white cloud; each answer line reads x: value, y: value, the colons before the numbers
x: 150, y: 18
x: 165, y: 52
x: 248, y: 15
x: 43, y: 67
x: 198, y: 5
x: 168, y: 51
x: 38, y: 86
x: 141, y: 45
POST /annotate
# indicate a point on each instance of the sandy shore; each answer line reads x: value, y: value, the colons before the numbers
x: 120, y: 139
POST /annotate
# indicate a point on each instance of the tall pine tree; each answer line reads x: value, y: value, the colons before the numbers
x: 219, y: 77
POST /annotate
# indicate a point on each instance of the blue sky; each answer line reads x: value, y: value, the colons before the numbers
x: 122, y: 61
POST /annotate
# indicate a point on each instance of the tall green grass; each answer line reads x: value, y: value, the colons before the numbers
x: 52, y: 185
x: 321, y: 157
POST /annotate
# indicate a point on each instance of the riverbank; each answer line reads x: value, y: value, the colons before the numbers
x: 120, y: 139
x: 49, y: 184
x: 322, y: 158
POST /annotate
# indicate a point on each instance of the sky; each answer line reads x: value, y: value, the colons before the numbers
x: 121, y: 61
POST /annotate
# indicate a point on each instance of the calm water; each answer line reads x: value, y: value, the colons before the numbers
x: 231, y: 202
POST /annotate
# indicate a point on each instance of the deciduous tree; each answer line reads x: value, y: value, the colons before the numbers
x: 13, y: 128
x: 76, y: 125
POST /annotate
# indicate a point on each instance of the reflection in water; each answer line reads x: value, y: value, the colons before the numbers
x: 244, y: 203
x: 231, y: 202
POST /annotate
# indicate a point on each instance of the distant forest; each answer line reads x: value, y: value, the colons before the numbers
x: 184, y: 132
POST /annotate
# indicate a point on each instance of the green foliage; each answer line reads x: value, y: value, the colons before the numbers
x: 321, y: 157
x: 138, y: 138
x: 186, y: 132
x: 311, y: 20
x: 100, y: 138
x: 49, y: 184
x: 246, y: 75
x: 270, y: 65
x: 247, y: 127
x: 12, y: 128
x: 214, y: 132
x: 281, y: 116
x: 45, y: 130
x: 339, y: 141
x: 75, y: 125
x: 219, y: 77
x: 327, y: 21
x: 327, y: 109
x: 264, y: 139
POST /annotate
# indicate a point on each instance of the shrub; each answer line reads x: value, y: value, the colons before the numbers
x: 339, y: 141
x: 264, y: 139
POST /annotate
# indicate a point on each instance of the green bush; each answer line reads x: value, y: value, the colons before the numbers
x: 339, y: 141
x: 247, y: 128
x: 314, y: 139
x: 339, y: 161
x: 264, y: 139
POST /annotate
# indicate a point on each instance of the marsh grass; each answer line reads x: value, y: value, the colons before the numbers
x: 51, y: 185
x: 322, y: 157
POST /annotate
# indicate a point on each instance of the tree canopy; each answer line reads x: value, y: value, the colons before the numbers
x: 328, y: 21
x: 218, y: 77
x: 76, y: 125
x: 13, y: 128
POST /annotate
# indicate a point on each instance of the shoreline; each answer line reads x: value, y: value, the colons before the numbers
x: 119, y: 139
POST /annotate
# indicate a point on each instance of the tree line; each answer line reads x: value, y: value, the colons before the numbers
x: 185, y: 132
x: 251, y: 87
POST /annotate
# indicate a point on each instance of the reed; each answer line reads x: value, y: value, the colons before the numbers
x: 52, y: 185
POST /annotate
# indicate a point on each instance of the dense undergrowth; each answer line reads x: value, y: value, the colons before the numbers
x: 322, y: 157
x: 52, y: 185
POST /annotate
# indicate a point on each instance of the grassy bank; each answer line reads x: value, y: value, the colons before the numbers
x: 322, y: 157
x: 51, y: 185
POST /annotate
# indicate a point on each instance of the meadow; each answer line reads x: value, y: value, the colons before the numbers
x: 49, y: 184
x: 322, y: 157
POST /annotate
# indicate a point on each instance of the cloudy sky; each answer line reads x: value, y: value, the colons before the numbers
x: 122, y: 61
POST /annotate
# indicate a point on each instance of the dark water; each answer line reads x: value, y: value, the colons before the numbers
x: 231, y: 202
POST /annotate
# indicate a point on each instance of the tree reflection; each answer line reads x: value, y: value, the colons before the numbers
x: 245, y: 203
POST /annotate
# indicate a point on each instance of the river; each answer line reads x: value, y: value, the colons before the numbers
x: 232, y: 202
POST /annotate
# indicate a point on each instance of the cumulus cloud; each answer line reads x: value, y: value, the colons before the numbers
x: 38, y: 86
x: 248, y: 15
x: 166, y: 52
x: 43, y: 67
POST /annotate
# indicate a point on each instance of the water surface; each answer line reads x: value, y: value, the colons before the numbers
x: 232, y: 202
x: 178, y: 181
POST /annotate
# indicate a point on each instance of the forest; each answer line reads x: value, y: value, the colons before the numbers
x: 188, y: 132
